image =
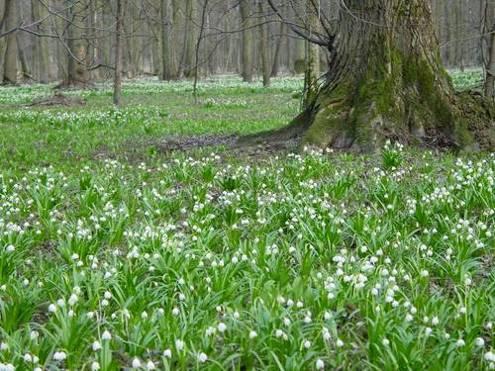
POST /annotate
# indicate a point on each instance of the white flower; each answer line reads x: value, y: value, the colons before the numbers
x: 385, y: 342
x: 428, y: 331
x: 435, y: 321
x: 460, y: 343
x: 252, y: 334
x: 489, y: 356
x: 150, y: 365
x: 167, y: 353
x: 106, y: 335
x: 339, y: 343
x: 222, y: 327
x: 179, y: 344
x: 59, y: 356
x: 73, y: 300
x: 4, y: 346
x: 52, y: 308
x: 27, y: 358
x: 480, y: 342
x: 175, y: 311
x: 136, y: 363
x: 107, y: 295
x: 202, y: 357
x: 320, y: 365
x: 307, y: 344
x: 95, y: 366
x: 10, y: 248
x: 96, y: 346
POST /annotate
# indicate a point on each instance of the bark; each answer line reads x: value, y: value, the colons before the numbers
x: 386, y: 81
x: 119, y: 27
x: 11, y: 53
x: 41, y: 46
x: 169, y: 70
x: 247, y: 41
x: 77, y: 53
x: 264, y: 48
x: 490, y: 71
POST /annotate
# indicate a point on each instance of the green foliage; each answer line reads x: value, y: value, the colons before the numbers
x: 114, y: 254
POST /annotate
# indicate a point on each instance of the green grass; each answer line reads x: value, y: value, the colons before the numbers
x: 115, y: 255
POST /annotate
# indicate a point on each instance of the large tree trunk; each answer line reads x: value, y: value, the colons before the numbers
x: 386, y: 81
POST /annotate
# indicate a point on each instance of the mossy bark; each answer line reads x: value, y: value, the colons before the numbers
x: 386, y: 81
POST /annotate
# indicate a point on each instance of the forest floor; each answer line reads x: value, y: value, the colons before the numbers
x: 125, y: 243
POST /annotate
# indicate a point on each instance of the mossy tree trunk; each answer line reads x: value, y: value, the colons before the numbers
x: 386, y: 81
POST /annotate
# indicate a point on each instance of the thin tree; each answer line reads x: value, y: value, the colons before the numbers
x: 119, y: 27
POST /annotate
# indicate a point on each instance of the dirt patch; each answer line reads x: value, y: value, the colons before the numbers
x: 58, y: 99
x: 187, y: 143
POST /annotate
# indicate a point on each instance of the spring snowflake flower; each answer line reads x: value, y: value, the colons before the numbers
x: 179, y: 344
x: 222, y: 327
x: 460, y: 343
x: 167, y: 353
x: 339, y: 343
x: 136, y: 363
x: 175, y: 311
x: 150, y: 365
x: 435, y: 321
x: 7, y: 367
x: 479, y: 342
x: 252, y: 334
x: 202, y: 357
x: 106, y: 335
x: 96, y: 346
x: 307, y: 344
x: 489, y: 356
x: 59, y: 356
x: 10, y: 248
x: 320, y: 365
x: 4, y: 346
x: 95, y: 366
x: 52, y: 308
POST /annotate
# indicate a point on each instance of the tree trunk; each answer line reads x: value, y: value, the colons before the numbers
x: 386, y: 81
x: 10, y: 66
x: 77, y: 53
x: 41, y: 47
x: 490, y: 71
x: 264, y: 47
x: 247, y: 41
x: 169, y: 70
x: 117, y: 84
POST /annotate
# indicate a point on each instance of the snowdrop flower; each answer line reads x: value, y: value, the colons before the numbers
x: 202, y: 357
x: 428, y: 331
x: 52, y: 308
x: 339, y: 343
x: 175, y: 311
x: 460, y: 343
x: 386, y: 342
x: 150, y: 365
x: 10, y: 248
x: 252, y: 334
x: 320, y: 365
x: 307, y: 344
x: 73, y: 300
x: 167, y: 353
x: 435, y: 321
x: 95, y: 366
